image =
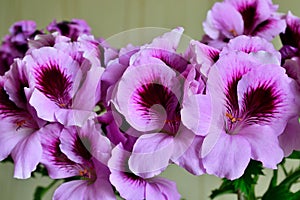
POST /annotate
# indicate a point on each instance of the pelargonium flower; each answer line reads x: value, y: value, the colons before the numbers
x: 151, y: 104
x: 291, y: 46
x: 290, y: 52
x: 72, y: 29
x: 232, y: 18
x: 202, y: 57
x: 251, y: 104
x: 19, y: 124
x: 116, y: 64
x: 60, y: 91
x: 15, y: 44
x: 131, y: 186
x: 256, y: 46
x: 78, y: 152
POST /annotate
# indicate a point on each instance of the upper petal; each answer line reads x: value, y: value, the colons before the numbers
x: 227, y: 20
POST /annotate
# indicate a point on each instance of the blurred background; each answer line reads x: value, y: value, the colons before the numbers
x: 107, y: 19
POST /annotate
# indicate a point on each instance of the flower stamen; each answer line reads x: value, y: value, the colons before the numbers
x: 232, y: 118
x: 20, y: 124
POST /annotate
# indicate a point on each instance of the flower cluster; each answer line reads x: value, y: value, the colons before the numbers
x: 112, y: 120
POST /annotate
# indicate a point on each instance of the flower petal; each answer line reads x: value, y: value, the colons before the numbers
x: 264, y: 145
x: 227, y: 20
x: 289, y: 140
x: 127, y: 184
x: 26, y: 155
x: 161, y: 188
x: 151, y: 154
x: 135, y: 100
x: 196, y: 113
x: 191, y: 160
x: 229, y: 157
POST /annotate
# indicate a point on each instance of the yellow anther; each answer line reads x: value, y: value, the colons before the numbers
x: 20, y: 124
x: 232, y: 118
x: 84, y: 173
x: 233, y: 32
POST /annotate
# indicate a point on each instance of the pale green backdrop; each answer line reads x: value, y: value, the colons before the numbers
x: 107, y: 18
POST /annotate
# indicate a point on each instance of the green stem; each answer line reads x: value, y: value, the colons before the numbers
x: 240, y: 195
x: 284, y: 169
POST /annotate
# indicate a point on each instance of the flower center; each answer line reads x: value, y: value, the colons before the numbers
x: 87, y: 174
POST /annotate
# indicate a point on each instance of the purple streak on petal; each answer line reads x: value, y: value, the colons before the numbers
x: 72, y: 29
x: 249, y: 14
x: 261, y: 103
x: 72, y: 146
x: 265, y: 97
x: 135, y: 100
x: 232, y: 104
x: 15, y: 83
x: 55, y: 84
x: 288, y: 52
x: 269, y: 28
x: 7, y: 107
x: 127, y: 184
x: 291, y: 34
x: 145, y: 101
x: 56, y: 162
x: 168, y: 57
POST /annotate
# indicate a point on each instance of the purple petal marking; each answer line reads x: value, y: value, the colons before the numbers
x: 249, y: 14
x: 18, y: 116
x: 55, y: 84
x: 7, y: 107
x: 146, y: 101
x: 232, y: 104
x: 57, y: 163
x: 292, y: 32
x: 261, y: 103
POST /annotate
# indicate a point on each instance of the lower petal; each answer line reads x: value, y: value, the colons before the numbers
x: 161, y: 188
x: 191, y: 160
x: 151, y: 154
x: 71, y: 190
x: 128, y: 187
x: 229, y: 157
x: 290, y: 138
x: 26, y: 155
x: 264, y: 145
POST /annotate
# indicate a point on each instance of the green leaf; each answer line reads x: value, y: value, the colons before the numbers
x: 295, y: 155
x: 245, y: 184
x: 282, y: 191
x: 225, y: 188
x: 41, y: 191
x: 40, y: 169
